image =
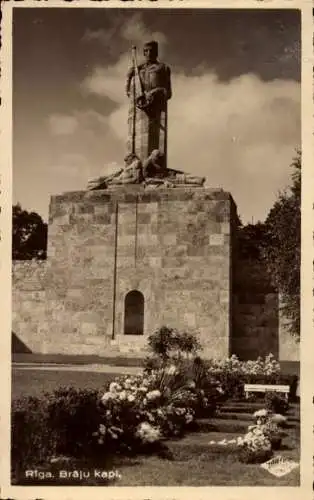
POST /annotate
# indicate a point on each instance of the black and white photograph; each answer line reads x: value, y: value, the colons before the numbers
x: 156, y: 328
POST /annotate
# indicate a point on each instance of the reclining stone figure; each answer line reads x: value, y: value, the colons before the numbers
x: 131, y: 173
x: 155, y: 173
x: 152, y: 173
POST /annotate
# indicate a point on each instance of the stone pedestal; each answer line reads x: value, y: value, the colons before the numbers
x: 167, y: 252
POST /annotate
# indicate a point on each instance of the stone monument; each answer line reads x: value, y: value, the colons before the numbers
x: 148, y: 88
x: 144, y: 247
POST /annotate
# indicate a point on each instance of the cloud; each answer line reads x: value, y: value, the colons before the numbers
x: 88, y: 121
x: 124, y: 32
x: 72, y: 165
x: 135, y: 31
x: 62, y: 124
x: 110, y: 81
x: 239, y: 134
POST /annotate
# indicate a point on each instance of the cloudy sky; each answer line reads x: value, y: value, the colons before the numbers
x: 234, y: 116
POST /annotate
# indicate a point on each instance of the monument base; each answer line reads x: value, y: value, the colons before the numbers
x: 124, y: 262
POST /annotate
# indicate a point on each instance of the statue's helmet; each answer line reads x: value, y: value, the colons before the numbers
x: 153, y: 45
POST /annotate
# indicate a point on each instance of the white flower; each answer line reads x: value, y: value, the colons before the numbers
x: 261, y: 413
x: 279, y: 419
x: 153, y: 394
x: 171, y: 370
x: 127, y: 383
x: 142, y: 389
x: 148, y: 433
x: 258, y: 432
x: 113, y: 434
x: 188, y: 418
x: 115, y: 387
x: 106, y: 397
x: 223, y: 442
x: 102, y: 429
x: 191, y: 384
x: 122, y: 395
x: 131, y: 398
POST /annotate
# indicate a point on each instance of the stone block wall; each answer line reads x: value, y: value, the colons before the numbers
x: 176, y: 247
x: 256, y: 325
x: 172, y: 245
x: 259, y: 324
x: 29, y: 325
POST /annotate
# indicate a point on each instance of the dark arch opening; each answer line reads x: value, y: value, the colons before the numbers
x: 134, y: 313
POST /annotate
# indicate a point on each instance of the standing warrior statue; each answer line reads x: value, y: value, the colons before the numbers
x: 148, y: 86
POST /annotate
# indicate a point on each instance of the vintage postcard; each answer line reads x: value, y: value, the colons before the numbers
x: 157, y: 242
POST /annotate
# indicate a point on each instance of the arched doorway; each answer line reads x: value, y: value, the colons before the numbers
x: 134, y: 313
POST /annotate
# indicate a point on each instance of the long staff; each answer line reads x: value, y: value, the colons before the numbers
x: 134, y: 100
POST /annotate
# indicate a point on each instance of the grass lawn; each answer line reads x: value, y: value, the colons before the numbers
x: 210, y: 468
x: 195, y: 462
x: 34, y: 382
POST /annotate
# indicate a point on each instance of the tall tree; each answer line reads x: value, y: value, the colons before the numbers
x: 29, y: 235
x: 282, y: 247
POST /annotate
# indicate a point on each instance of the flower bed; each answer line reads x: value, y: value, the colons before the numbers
x: 233, y: 374
x: 146, y: 409
x: 134, y: 414
x: 137, y: 414
x: 262, y: 438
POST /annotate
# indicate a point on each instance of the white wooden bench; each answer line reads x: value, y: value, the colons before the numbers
x: 283, y: 389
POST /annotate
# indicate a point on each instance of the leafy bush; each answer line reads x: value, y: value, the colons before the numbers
x: 168, y: 343
x: 31, y: 440
x: 146, y: 409
x: 73, y: 416
x: 276, y: 403
x: 57, y: 423
x: 207, y: 388
x: 261, y: 439
x: 255, y: 446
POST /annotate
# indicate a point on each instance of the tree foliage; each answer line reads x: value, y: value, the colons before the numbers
x: 250, y: 241
x: 282, y: 246
x: 29, y: 235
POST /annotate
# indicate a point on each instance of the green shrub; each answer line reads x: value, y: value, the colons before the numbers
x: 168, y: 343
x: 57, y: 423
x: 31, y: 439
x: 73, y: 416
x: 207, y: 389
x: 276, y: 403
